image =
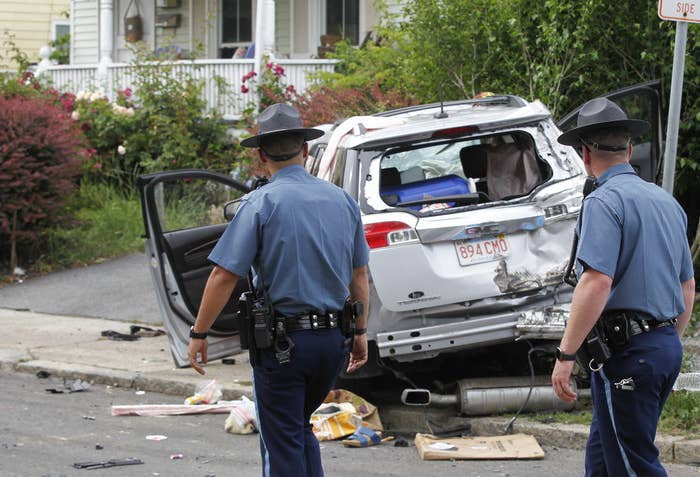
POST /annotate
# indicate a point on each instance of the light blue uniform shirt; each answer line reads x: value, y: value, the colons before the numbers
x: 304, y: 234
x: 635, y: 232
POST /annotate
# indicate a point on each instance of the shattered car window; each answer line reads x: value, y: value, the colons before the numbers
x: 497, y: 167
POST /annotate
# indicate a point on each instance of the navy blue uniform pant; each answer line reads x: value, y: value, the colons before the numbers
x: 286, y: 396
x: 621, y: 440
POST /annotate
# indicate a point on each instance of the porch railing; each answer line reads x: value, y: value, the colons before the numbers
x: 231, y: 103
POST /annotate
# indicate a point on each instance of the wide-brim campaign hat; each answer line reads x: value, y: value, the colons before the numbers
x: 277, y: 119
x: 601, y: 113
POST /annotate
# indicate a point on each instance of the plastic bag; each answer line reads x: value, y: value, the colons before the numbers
x: 206, y: 393
x: 335, y: 420
x: 242, y: 418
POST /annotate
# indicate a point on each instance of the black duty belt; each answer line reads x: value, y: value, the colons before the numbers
x: 313, y: 321
x: 643, y: 326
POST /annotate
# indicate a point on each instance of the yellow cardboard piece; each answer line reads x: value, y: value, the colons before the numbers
x: 515, y: 446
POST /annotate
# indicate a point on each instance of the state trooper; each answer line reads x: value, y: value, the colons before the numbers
x: 635, y: 271
x: 305, y: 241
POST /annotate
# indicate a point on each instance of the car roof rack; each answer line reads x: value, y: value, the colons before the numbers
x: 501, y: 100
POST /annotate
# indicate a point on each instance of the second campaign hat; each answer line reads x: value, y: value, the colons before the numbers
x: 601, y: 113
x: 280, y: 118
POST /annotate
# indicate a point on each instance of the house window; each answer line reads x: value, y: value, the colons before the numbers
x: 60, y: 41
x: 236, y: 24
x: 343, y: 19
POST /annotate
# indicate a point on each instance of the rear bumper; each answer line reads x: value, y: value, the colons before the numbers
x: 428, y: 341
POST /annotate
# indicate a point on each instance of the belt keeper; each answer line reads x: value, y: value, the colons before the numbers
x: 314, y: 321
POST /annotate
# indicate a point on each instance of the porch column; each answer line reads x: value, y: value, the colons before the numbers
x: 269, y: 29
x: 106, y: 31
x: 264, y: 32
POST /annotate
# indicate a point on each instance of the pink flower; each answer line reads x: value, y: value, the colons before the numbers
x: 128, y: 92
x: 291, y: 89
x: 244, y: 89
x: 96, y: 167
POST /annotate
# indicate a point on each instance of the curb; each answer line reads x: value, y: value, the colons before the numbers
x: 117, y: 378
x: 400, y: 419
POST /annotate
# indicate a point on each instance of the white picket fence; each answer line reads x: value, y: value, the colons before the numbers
x: 231, y: 102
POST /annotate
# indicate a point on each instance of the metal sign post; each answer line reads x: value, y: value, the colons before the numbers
x: 681, y: 12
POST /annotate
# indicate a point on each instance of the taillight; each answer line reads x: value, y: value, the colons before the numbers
x: 383, y: 234
x: 452, y: 132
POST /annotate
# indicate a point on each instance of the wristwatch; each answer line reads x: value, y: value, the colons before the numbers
x: 360, y: 331
x: 561, y: 356
x: 195, y: 335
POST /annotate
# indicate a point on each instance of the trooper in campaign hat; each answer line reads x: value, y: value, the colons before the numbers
x: 302, y: 239
x: 636, y: 280
x: 602, y: 114
x: 275, y: 121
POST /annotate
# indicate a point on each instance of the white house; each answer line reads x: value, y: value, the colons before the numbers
x: 288, y: 28
x: 295, y: 33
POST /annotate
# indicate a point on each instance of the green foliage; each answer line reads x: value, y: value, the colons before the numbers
x: 107, y: 223
x: 160, y: 125
x: 61, y: 49
x: 681, y: 413
x: 13, y: 56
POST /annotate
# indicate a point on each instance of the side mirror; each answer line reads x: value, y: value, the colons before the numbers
x: 230, y: 209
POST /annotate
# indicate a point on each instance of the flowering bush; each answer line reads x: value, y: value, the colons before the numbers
x: 40, y: 151
x: 160, y: 124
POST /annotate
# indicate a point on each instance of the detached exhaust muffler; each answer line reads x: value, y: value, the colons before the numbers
x: 483, y: 396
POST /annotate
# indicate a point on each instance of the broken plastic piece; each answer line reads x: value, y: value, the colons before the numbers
x: 116, y: 336
x: 107, y: 463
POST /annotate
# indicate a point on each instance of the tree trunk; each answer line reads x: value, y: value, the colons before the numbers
x: 13, y: 243
x: 695, y: 248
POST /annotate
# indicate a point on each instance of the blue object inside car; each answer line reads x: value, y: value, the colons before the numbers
x: 448, y: 185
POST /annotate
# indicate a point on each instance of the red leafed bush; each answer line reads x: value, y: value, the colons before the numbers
x: 40, y: 152
x: 326, y: 105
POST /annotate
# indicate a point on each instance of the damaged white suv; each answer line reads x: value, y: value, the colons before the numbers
x: 469, y: 210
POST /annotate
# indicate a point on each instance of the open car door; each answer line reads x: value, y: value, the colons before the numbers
x: 183, y: 214
x: 641, y: 101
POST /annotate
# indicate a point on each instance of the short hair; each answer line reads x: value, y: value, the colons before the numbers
x: 619, y: 137
x: 283, y: 144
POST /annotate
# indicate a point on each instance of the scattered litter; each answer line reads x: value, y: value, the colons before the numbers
x: 156, y: 437
x: 228, y: 361
x: 176, y: 456
x: 335, y: 420
x: 515, y: 446
x: 145, y: 331
x: 89, y: 418
x: 443, y: 446
x: 42, y: 374
x: 222, y: 407
x: 341, y: 413
x: 107, y: 463
x: 99, y: 447
x: 117, y: 336
x: 242, y: 418
x: 206, y: 393
x: 140, y: 393
x: 365, y: 437
x: 70, y: 387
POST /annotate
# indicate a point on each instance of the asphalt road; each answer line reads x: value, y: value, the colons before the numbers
x: 119, y: 289
x: 43, y: 434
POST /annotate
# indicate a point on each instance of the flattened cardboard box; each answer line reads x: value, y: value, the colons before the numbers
x: 515, y: 446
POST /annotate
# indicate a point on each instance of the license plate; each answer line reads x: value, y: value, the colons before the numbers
x: 474, y: 251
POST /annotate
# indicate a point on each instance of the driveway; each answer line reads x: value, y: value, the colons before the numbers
x: 119, y: 289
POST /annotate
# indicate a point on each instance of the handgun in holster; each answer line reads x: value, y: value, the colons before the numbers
x: 254, y: 325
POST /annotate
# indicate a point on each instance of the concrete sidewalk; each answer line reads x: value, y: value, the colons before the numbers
x: 73, y: 347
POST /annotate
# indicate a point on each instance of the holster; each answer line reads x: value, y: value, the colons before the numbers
x: 610, y: 334
x: 255, y: 326
x: 351, y: 310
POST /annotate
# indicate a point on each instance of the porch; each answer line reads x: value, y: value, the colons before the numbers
x: 117, y: 76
